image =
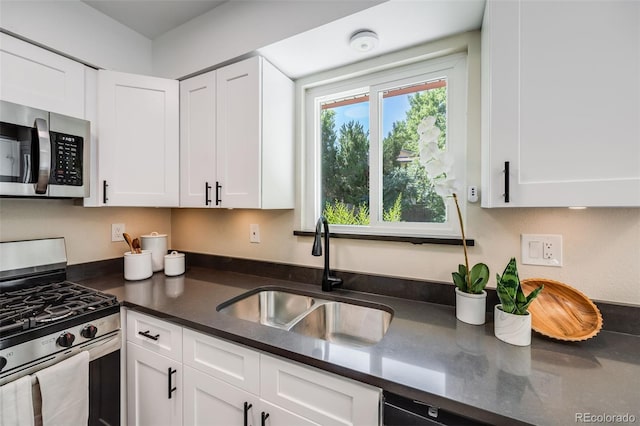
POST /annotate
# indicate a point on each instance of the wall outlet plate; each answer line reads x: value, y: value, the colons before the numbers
x: 117, y: 229
x: 541, y: 249
x: 254, y: 233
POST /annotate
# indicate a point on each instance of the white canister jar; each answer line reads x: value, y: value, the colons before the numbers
x: 137, y: 266
x: 174, y: 264
x: 157, y: 244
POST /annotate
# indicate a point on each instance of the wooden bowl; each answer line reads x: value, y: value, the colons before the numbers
x: 562, y: 312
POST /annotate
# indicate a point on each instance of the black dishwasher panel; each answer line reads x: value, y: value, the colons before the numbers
x: 401, y: 411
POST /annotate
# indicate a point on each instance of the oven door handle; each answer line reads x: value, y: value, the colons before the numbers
x: 44, y: 162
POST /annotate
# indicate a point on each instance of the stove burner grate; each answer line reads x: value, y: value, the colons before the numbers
x: 41, y: 305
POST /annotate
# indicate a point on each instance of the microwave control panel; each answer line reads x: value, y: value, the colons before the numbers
x: 66, y: 159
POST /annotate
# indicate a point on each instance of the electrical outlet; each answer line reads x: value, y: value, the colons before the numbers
x: 254, y: 233
x: 117, y: 229
x: 541, y: 249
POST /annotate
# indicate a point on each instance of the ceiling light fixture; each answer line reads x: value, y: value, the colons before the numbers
x: 364, y: 41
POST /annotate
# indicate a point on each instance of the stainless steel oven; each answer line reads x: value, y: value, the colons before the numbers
x: 42, y: 154
x: 45, y: 319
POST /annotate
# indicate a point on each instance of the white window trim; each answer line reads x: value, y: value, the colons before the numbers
x: 455, y: 66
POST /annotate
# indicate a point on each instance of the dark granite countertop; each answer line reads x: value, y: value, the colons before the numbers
x: 426, y: 354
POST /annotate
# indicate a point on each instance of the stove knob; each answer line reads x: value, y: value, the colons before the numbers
x: 3, y: 362
x: 66, y: 340
x: 89, y: 331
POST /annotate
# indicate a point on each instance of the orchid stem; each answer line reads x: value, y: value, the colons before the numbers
x: 464, y: 243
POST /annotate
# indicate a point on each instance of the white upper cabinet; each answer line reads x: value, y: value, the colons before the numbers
x: 138, y: 138
x: 32, y: 76
x: 197, y: 140
x: 236, y: 138
x: 561, y: 104
x: 254, y: 136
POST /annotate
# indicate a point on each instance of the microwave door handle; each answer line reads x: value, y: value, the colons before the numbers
x: 44, y: 164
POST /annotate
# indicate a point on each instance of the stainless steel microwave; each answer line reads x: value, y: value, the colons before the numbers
x: 43, y: 154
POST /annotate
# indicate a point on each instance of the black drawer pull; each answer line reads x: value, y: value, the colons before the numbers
x: 218, y: 191
x: 263, y: 418
x: 506, y: 181
x: 247, y: 407
x: 207, y: 189
x: 170, y: 390
x: 104, y: 192
x: 148, y: 336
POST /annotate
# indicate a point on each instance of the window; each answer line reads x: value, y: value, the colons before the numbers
x: 364, y: 172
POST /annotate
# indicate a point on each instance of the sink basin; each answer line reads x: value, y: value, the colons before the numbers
x: 330, y: 320
x: 339, y: 322
x: 269, y: 307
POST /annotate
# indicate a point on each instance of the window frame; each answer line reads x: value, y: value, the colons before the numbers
x: 454, y: 69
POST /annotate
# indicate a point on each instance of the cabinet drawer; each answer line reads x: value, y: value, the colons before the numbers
x: 231, y: 363
x: 322, y: 397
x: 156, y: 335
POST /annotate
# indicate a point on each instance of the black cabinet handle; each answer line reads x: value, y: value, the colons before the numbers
x: 207, y: 188
x: 506, y: 181
x: 263, y: 418
x: 218, y: 190
x: 104, y: 192
x: 170, y: 390
x: 148, y: 335
x: 247, y: 407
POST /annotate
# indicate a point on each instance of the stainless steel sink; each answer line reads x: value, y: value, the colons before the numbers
x: 345, y: 323
x: 269, y: 307
x: 333, y: 321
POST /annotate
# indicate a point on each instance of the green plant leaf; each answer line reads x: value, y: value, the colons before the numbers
x: 479, y: 278
x: 459, y: 281
x: 507, y: 301
x: 530, y: 299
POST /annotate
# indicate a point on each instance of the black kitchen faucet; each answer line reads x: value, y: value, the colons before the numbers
x: 328, y: 282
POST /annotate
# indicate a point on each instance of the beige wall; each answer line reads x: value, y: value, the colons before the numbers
x: 601, y: 246
x: 87, y: 231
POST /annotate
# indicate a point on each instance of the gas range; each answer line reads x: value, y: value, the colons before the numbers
x: 43, y: 317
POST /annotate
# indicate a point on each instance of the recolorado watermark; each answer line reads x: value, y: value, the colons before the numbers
x: 605, y: 418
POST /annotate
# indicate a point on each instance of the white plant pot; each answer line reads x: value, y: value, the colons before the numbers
x: 511, y: 328
x: 471, y: 308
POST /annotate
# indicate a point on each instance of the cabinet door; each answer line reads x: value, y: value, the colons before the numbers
x: 324, y: 398
x: 239, y: 133
x: 209, y: 401
x: 561, y: 101
x: 198, y: 141
x: 150, y: 377
x: 138, y: 140
x: 234, y: 364
x: 36, y: 77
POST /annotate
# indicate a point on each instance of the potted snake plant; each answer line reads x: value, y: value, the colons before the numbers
x: 512, y: 320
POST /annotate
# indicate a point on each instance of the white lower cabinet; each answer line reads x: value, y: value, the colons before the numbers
x: 154, y: 388
x: 216, y: 382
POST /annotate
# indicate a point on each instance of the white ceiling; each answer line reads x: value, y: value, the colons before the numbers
x: 152, y: 18
x: 398, y: 23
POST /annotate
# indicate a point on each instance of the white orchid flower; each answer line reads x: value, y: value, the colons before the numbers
x: 439, y: 165
x: 426, y: 124
x: 445, y: 187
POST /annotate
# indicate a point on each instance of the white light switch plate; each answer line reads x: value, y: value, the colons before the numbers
x: 541, y: 249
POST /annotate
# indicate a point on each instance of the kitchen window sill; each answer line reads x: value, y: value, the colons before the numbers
x: 392, y: 238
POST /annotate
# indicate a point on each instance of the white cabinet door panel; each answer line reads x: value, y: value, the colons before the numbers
x: 36, y: 77
x: 198, y: 141
x: 321, y: 397
x: 209, y: 401
x: 238, y: 133
x: 148, y: 375
x: 226, y: 361
x: 561, y: 103
x: 138, y: 139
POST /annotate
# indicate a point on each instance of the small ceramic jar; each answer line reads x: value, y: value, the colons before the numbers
x: 157, y: 244
x: 137, y: 266
x: 174, y: 264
